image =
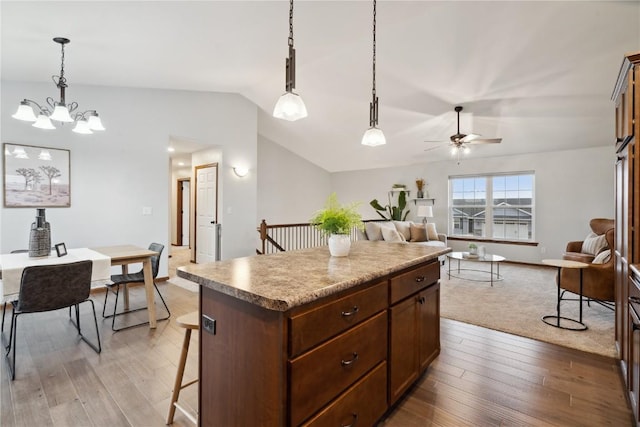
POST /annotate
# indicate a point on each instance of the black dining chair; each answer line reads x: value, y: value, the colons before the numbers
x: 122, y: 280
x: 47, y: 288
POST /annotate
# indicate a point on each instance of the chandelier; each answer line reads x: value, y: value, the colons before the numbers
x: 86, y: 122
x: 290, y: 106
x: 373, y: 136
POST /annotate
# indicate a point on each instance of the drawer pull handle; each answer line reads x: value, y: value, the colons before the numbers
x: 349, y: 362
x: 353, y: 311
x: 420, y: 279
x: 355, y: 419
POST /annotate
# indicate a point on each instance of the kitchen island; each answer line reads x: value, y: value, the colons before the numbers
x: 303, y: 338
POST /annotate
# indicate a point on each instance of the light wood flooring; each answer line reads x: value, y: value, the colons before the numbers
x: 481, y: 378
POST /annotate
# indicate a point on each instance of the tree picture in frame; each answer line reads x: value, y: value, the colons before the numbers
x: 36, y: 176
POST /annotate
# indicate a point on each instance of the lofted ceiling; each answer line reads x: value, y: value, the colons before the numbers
x: 537, y: 74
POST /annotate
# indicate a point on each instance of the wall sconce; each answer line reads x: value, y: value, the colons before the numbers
x: 240, y: 171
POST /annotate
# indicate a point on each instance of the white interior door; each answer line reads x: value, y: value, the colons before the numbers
x: 206, y: 202
x: 186, y: 211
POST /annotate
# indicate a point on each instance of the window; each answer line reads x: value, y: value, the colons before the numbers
x: 496, y: 206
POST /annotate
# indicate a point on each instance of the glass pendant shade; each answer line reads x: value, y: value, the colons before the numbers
x: 95, y: 123
x: 82, y: 126
x: 61, y: 114
x: 43, y: 122
x: 290, y: 107
x: 25, y: 112
x: 373, y: 137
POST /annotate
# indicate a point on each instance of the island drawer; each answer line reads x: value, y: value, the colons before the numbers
x: 363, y: 404
x: 320, y: 375
x: 412, y: 281
x: 312, y: 327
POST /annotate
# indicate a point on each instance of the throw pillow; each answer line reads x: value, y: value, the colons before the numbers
x: 432, y: 234
x: 404, y: 228
x: 594, y: 245
x: 603, y: 257
x: 373, y: 229
x: 418, y: 232
x: 391, y: 235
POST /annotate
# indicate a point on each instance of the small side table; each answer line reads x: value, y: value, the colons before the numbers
x: 554, y: 320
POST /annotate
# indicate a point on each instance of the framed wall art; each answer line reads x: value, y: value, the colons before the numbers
x: 36, y: 176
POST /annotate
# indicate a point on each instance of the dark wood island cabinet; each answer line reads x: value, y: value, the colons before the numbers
x: 302, y: 338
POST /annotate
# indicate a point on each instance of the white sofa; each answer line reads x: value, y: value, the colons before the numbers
x: 381, y: 230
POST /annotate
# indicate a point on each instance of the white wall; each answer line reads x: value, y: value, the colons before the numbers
x: 117, y: 172
x: 290, y: 188
x: 571, y: 188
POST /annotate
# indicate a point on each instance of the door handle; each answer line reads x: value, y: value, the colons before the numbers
x: 213, y: 222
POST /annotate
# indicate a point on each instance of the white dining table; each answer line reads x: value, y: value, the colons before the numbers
x: 12, y: 266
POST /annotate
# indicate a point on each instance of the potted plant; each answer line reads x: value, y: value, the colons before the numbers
x: 420, y: 182
x: 473, y: 249
x: 390, y: 212
x: 337, y: 221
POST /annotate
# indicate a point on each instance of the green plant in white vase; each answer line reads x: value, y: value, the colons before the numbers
x: 473, y: 249
x: 337, y: 221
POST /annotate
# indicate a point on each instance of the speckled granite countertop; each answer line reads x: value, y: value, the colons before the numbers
x: 285, y: 280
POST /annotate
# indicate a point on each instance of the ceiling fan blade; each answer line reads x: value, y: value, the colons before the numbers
x: 470, y: 137
x: 444, y: 144
x: 486, y: 141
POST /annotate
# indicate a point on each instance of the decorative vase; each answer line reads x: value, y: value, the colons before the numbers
x: 40, y: 236
x: 473, y: 251
x: 420, y: 194
x: 339, y: 244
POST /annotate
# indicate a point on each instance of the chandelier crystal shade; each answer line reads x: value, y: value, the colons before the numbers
x: 59, y: 111
x: 373, y: 137
x: 290, y: 105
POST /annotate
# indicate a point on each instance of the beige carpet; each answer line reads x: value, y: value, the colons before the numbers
x: 517, y: 304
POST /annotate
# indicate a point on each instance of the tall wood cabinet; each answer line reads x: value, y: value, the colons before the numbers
x: 626, y: 96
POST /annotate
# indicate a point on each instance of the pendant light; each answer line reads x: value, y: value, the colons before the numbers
x: 290, y: 105
x: 373, y: 136
x: 86, y: 122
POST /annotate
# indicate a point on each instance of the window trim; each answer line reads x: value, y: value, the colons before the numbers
x: 489, y: 207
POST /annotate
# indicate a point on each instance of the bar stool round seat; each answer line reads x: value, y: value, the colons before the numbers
x: 190, y: 321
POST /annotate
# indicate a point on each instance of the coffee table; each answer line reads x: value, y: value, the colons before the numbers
x: 465, y: 256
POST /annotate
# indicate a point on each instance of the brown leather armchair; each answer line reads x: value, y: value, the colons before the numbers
x: 597, y: 279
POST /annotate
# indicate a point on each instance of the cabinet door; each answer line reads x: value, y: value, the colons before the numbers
x: 620, y: 254
x: 403, y: 351
x: 634, y: 362
x: 429, y: 325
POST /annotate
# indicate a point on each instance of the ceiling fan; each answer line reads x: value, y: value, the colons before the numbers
x: 459, y: 141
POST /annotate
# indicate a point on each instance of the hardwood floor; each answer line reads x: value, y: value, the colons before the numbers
x: 481, y: 378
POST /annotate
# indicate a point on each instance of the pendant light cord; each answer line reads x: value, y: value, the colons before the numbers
x: 373, y: 92
x: 291, y: 23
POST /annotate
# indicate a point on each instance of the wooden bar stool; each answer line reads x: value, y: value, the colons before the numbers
x: 189, y: 322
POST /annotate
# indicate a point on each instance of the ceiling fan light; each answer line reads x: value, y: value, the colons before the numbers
x: 290, y: 107
x: 43, y: 122
x: 25, y: 112
x: 95, y: 123
x: 61, y: 113
x: 466, y: 150
x: 373, y: 137
x: 454, y: 150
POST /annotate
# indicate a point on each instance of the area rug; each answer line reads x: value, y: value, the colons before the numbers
x: 517, y: 304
